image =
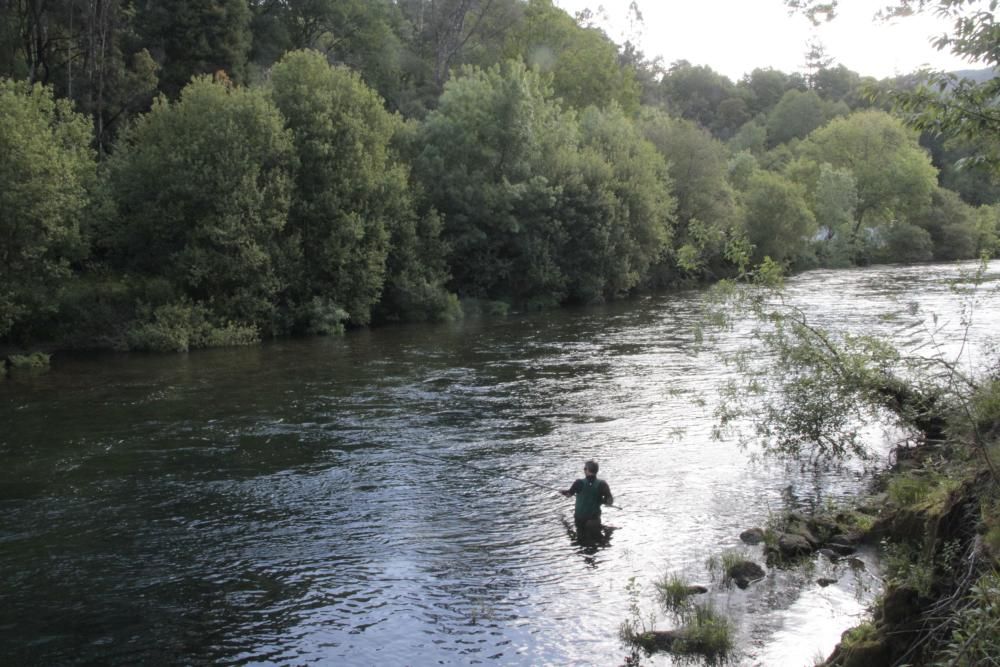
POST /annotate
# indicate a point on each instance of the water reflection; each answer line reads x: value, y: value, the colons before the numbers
x: 262, y: 505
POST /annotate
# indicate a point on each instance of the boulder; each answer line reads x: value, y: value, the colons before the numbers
x: 830, y: 554
x: 847, y: 538
x: 792, y: 545
x: 825, y: 581
x: 803, y: 531
x: 841, y: 549
x: 662, y: 640
x: 856, y: 563
x: 744, y: 572
x: 752, y: 535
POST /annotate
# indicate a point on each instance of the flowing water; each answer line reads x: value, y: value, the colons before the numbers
x: 270, y: 505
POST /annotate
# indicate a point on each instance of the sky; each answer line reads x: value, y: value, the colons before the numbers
x: 734, y: 37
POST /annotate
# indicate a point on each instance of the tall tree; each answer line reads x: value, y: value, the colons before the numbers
x: 706, y: 206
x: 582, y: 62
x: 893, y: 173
x: 44, y: 179
x: 487, y: 162
x: 202, y: 186
x: 641, y: 216
x: 779, y: 223
x: 191, y: 37
x: 349, y: 189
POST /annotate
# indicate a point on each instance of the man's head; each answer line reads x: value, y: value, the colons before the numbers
x: 590, y: 468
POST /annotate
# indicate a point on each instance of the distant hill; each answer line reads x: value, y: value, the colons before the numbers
x: 978, y: 75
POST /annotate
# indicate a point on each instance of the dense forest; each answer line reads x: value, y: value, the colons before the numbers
x: 182, y: 174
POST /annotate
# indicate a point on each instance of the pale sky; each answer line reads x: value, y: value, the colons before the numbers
x: 735, y: 36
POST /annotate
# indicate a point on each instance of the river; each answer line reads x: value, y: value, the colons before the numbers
x: 270, y: 505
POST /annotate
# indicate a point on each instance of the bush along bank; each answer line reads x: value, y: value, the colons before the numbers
x: 938, y: 523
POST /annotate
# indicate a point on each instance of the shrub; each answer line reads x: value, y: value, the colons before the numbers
x: 324, y: 317
x: 975, y: 640
x: 33, y: 361
x: 708, y: 634
x: 179, y: 327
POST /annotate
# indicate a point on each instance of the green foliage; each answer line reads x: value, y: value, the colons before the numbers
x: 975, y: 640
x: 706, y: 634
x: 202, y: 187
x: 638, y: 207
x: 33, y: 361
x: 182, y: 326
x: 778, y: 222
x: 951, y: 224
x: 45, y: 174
x: 947, y: 103
x: 350, y: 189
x: 636, y: 627
x: 893, y: 174
x: 196, y: 38
x: 582, y: 62
x: 903, y: 242
x: 925, y: 489
x: 698, y: 93
x: 797, y: 114
x: 987, y: 225
x: 488, y: 162
x: 706, y: 207
x: 673, y: 593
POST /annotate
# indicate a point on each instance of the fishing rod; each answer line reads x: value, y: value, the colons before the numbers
x: 485, y: 472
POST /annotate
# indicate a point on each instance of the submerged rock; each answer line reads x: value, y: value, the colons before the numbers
x: 752, y: 536
x: 825, y: 581
x: 695, y: 589
x: 744, y: 572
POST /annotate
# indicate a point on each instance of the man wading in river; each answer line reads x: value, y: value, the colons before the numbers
x: 590, y: 494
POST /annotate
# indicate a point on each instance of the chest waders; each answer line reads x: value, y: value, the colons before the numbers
x: 588, y: 500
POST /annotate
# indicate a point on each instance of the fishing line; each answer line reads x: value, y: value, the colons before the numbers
x: 485, y: 472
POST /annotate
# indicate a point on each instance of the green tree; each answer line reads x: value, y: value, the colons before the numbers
x: 487, y: 162
x: 640, y: 218
x: 797, y: 114
x: 582, y: 62
x: 696, y: 92
x: 779, y: 223
x: 190, y: 37
x: 834, y: 84
x: 202, y: 187
x: 364, y: 35
x: 44, y: 179
x: 948, y: 103
x: 350, y: 189
x: 86, y: 51
x: 951, y: 224
x: 893, y: 173
x: 765, y: 88
x: 706, y: 205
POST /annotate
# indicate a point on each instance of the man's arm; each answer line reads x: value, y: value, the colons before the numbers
x: 572, y: 489
x: 608, y: 499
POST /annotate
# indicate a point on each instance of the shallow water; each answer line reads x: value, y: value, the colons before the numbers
x: 270, y: 505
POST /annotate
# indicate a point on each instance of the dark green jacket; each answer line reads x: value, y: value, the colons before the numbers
x: 590, y: 493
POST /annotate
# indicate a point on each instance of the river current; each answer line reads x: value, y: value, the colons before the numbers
x: 272, y: 505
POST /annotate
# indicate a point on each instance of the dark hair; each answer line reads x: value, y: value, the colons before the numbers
x: 591, y: 466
